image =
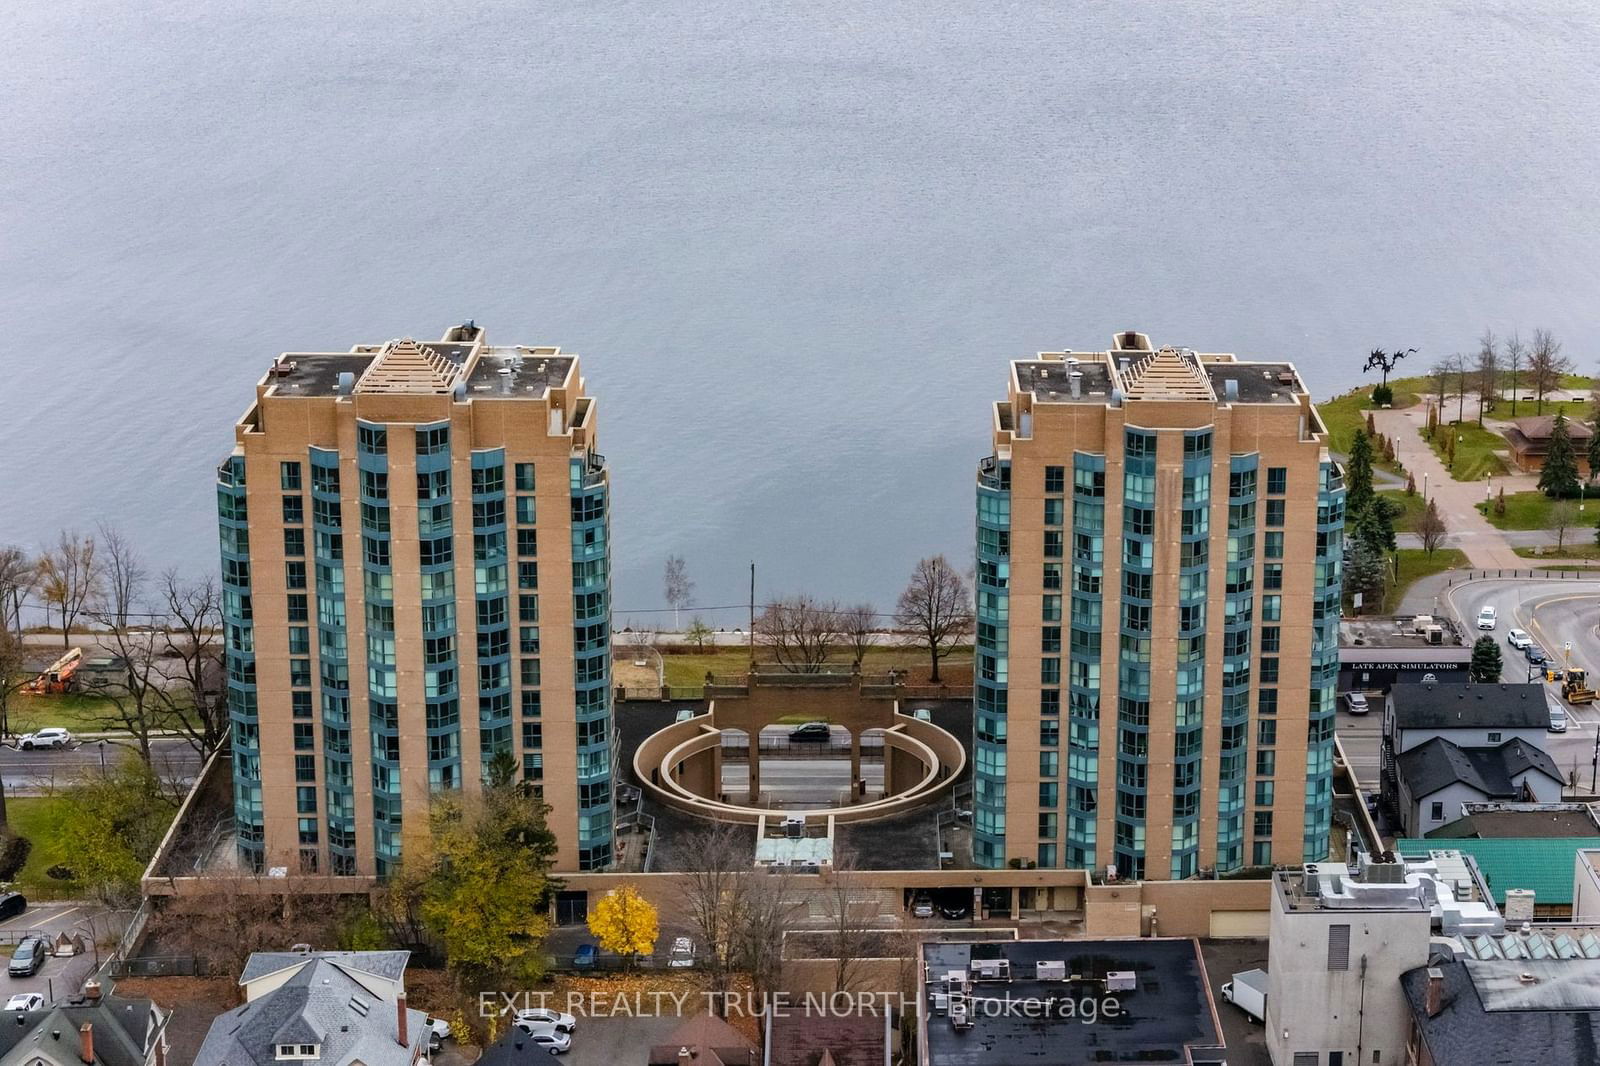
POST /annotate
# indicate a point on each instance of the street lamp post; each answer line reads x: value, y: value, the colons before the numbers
x: 102, y: 757
x: 1594, y: 763
x: 1425, y: 486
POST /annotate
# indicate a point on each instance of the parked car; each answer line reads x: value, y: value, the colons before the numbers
x: 12, y: 904
x: 1487, y: 617
x: 1535, y: 655
x: 955, y: 905
x: 811, y: 731
x: 682, y: 954
x: 1518, y: 639
x: 25, y: 1001
x: 548, y: 1037
x: 585, y: 957
x: 531, y: 1018
x: 50, y: 737
x: 29, y: 956
x: 1356, y: 702
x: 438, y: 1032
x: 922, y: 906
x: 1558, y: 719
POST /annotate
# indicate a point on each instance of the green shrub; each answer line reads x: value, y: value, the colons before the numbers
x: 14, y: 852
x: 1382, y: 396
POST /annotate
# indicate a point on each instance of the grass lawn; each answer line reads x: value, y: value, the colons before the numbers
x: 39, y: 819
x: 1345, y: 414
x: 75, y: 711
x: 1416, y: 564
x: 1531, y: 510
x: 688, y: 668
x: 1475, y: 451
x: 1411, y: 508
x: 1581, y: 546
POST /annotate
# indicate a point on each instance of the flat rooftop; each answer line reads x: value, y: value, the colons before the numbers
x: 1257, y: 382
x: 422, y: 367
x: 1167, y: 1017
x: 1165, y: 374
x: 1050, y: 380
x: 1397, y: 633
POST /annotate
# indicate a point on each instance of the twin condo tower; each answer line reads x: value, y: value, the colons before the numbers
x: 416, y: 566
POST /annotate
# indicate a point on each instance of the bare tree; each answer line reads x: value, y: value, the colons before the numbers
x: 799, y: 632
x: 18, y: 575
x: 1516, y: 358
x: 1563, y: 516
x: 130, y: 690
x: 69, y: 576
x: 1431, y: 528
x: 1440, y: 373
x: 1488, y: 371
x: 122, y: 576
x: 849, y: 934
x: 14, y: 673
x: 237, y: 914
x: 859, y: 623
x: 714, y: 899
x: 774, y: 903
x: 192, y: 648
x: 1546, y: 364
x: 1459, y: 367
x: 935, y: 608
x: 679, y: 590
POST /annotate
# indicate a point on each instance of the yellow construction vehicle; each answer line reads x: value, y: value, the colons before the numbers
x: 1574, y: 689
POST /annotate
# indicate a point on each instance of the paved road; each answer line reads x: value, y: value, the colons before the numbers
x: 37, y: 771
x: 797, y: 783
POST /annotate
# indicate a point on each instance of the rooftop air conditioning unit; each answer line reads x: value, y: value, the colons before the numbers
x: 960, y: 1017
x: 990, y: 970
x: 1121, y: 981
x: 1434, y: 634
x: 1050, y: 971
x: 1421, y: 622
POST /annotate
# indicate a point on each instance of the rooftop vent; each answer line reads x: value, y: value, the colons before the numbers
x: 347, y: 383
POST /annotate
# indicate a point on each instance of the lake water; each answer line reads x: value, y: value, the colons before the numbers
x: 795, y: 244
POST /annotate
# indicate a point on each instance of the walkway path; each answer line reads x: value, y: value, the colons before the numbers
x: 1485, y: 546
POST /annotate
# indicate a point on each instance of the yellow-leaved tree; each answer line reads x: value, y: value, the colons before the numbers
x: 625, y: 923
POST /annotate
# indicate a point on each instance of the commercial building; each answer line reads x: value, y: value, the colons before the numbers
x: 1340, y: 939
x: 1159, y: 543
x: 1066, y: 1002
x: 1530, y: 442
x: 415, y: 550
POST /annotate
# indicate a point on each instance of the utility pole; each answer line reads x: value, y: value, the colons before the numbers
x: 752, y: 630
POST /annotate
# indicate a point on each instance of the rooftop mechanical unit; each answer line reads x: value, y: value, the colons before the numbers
x: 1121, y: 981
x: 990, y: 969
x: 1050, y: 971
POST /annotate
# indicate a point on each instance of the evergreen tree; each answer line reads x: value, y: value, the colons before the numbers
x: 1374, y: 526
x: 1560, y: 474
x: 1366, y: 574
x: 1594, y: 446
x: 1358, y: 475
x: 1486, y: 664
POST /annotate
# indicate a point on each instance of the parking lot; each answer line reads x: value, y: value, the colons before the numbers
x: 602, y: 1041
x: 58, y: 977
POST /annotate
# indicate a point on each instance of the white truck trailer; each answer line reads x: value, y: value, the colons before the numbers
x: 1248, y: 992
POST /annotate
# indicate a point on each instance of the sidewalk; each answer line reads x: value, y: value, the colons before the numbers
x: 1485, y: 546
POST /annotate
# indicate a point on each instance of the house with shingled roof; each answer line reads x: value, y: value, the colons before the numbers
x: 86, y: 1030
x: 336, y: 1008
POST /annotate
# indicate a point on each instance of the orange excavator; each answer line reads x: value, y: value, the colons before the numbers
x: 59, y: 677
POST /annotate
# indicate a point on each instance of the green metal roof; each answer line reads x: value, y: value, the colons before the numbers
x: 1544, y: 864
